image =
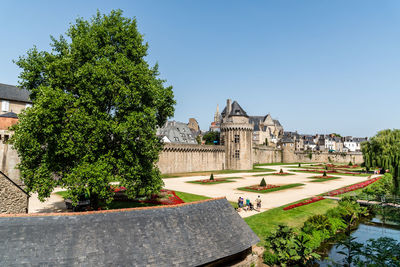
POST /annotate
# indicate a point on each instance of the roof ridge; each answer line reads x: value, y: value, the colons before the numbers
x: 106, y: 211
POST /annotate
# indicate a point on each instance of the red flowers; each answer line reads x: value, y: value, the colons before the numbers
x: 165, y: 197
x: 260, y: 188
x: 353, y: 187
x: 210, y: 181
x: 305, y: 202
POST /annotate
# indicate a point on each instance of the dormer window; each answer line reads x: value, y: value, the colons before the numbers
x: 237, y: 112
x: 5, y: 105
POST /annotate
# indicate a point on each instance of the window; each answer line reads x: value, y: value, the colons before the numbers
x: 5, y: 105
x: 237, y: 138
x: 176, y: 139
x: 28, y: 105
x: 237, y: 154
x: 5, y: 138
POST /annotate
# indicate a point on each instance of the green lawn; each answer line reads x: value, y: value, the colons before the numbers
x: 221, y: 181
x: 336, y: 173
x: 187, y: 197
x: 283, y: 187
x: 276, y: 163
x: 263, y: 223
x: 318, y: 180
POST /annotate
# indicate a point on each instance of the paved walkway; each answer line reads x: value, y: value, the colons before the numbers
x: 54, y: 203
x: 269, y: 200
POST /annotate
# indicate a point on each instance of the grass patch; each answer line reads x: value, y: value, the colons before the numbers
x: 208, y: 173
x: 275, y: 174
x: 336, y: 173
x: 318, y: 180
x: 283, y: 187
x: 221, y: 181
x: 266, y: 222
x: 276, y: 163
x: 62, y: 194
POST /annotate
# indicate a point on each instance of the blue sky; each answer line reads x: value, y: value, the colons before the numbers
x: 317, y: 66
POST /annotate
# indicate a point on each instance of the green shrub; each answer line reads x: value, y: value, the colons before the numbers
x: 212, y: 177
x: 324, y: 174
x: 281, y: 171
x: 299, y: 165
x: 263, y: 183
x: 350, y: 163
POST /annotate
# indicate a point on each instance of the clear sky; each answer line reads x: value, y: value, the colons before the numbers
x: 317, y: 66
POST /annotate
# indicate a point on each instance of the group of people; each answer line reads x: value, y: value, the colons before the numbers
x: 249, y: 206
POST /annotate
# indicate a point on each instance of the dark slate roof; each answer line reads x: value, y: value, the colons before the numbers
x: 10, y: 92
x: 183, y: 235
x: 237, y: 110
x: 256, y: 120
x: 10, y: 115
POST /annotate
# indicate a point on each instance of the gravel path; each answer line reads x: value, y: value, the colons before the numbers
x: 269, y: 200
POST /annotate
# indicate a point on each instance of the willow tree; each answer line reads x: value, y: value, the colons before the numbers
x: 96, y: 106
x: 383, y: 151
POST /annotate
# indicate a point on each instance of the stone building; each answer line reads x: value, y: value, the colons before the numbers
x: 237, y: 136
x: 266, y: 130
x: 13, y: 99
x: 177, y: 133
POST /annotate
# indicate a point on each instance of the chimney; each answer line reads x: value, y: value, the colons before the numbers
x: 228, y: 107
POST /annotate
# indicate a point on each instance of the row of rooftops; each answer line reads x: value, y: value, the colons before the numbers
x: 292, y: 136
x: 13, y: 93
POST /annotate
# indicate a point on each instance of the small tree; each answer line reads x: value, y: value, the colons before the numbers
x: 350, y: 163
x: 281, y: 171
x: 324, y: 174
x: 299, y: 165
x: 310, y: 155
x: 212, y: 177
x: 263, y: 183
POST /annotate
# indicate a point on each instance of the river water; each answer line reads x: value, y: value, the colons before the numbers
x: 372, y: 229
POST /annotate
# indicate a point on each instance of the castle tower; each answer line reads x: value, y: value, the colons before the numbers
x: 236, y: 134
x: 288, y: 148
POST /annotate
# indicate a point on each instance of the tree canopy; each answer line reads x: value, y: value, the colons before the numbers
x: 96, y: 106
x: 383, y: 151
x: 212, y: 138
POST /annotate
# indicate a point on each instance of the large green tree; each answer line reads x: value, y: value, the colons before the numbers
x: 383, y: 151
x: 96, y: 106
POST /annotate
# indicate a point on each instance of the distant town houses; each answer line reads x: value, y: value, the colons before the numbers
x: 324, y: 142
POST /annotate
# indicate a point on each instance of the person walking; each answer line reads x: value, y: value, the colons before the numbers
x: 258, y: 201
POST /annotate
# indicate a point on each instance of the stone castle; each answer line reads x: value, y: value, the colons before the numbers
x: 240, y: 146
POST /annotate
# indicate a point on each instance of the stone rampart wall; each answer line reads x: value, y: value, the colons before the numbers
x: 176, y: 158
x: 8, y: 158
x: 354, y: 157
x: 264, y: 154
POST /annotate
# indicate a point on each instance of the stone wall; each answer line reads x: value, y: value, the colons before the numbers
x: 266, y: 154
x: 176, y: 158
x: 8, y: 158
x: 354, y: 157
x: 12, y: 198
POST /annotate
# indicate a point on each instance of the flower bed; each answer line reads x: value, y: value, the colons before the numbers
x: 268, y: 188
x: 352, y: 187
x: 215, y: 181
x: 327, y: 171
x: 165, y: 197
x: 258, y: 187
x: 322, y: 177
x: 305, y: 202
x: 280, y: 173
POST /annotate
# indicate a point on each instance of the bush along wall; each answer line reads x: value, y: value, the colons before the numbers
x: 287, y: 246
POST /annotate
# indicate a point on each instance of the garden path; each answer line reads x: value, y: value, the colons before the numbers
x: 269, y: 200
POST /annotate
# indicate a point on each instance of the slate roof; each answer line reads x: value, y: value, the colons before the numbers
x: 184, y: 235
x: 237, y: 110
x: 9, y: 115
x: 177, y: 132
x: 11, y: 92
